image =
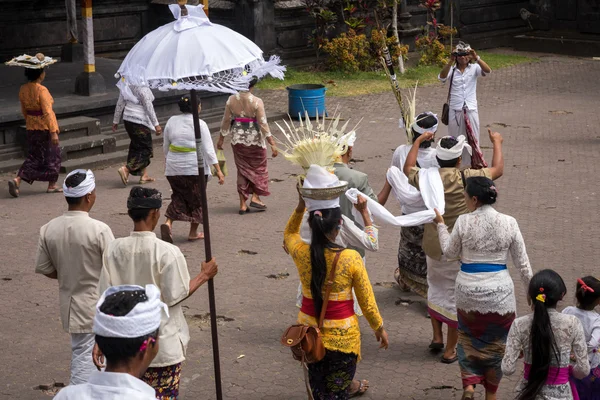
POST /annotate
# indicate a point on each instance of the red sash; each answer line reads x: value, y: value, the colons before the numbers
x: 336, y: 309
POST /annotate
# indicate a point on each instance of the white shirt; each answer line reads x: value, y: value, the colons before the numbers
x: 179, y: 131
x: 142, y: 113
x: 108, y: 386
x: 591, y: 329
x: 140, y: 259
x: 464, y: 87
x: 409, y: 197
x: 72, y: 245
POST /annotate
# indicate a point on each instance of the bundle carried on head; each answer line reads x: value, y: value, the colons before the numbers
x: 316, y: 144
x: 39, y: 61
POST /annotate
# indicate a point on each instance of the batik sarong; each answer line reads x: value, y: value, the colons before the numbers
x: 82, y: 365
x: 441, y: 278
x: 43, y: 161
x: 140, y: 147
x: 588, y: 388
x: 412, y: 265
x: 481, y: 345
x: 186, y: 201
x: 164, y: 380
x: 331, y: 378
x: 252, y: 174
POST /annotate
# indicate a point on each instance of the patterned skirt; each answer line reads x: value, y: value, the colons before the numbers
x: 412, y: 265
x: 481, y: 345
x: 588, y: 388
x: 186, y: 202
x: 331, y: 378
x: 43, y: 161
x: 252, y: 173
x: 140, y: 147
x: 164, y: 380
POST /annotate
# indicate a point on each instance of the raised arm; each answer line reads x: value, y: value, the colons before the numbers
x: 446, y: 70
x: 497, y: 168
x: 514, y: 347
x: 519, y: 256
x: 291, y: 235
x: 411, y: 158
x: 384, y: 194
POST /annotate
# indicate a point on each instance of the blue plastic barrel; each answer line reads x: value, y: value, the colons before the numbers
x: 306, y: 97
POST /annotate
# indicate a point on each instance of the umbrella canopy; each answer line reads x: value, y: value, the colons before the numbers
x: 193, y: 53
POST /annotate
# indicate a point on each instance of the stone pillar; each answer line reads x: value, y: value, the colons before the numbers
x: 405, y: 28
x: 73, y: 50
x: 89, y: 82
x: 264, y: 25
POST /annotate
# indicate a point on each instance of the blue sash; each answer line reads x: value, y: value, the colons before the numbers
x: 480, y: 267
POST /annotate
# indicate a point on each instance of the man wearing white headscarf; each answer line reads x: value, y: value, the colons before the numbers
x: 126, y: 326
x: 442, y: 272
x: 70, y: 250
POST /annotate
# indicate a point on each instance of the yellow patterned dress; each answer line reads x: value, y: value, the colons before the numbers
x: 341, y: 335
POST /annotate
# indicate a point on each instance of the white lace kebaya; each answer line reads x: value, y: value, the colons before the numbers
x: 488, y: 237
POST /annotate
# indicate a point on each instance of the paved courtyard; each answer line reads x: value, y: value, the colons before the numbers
x: 548, y: 114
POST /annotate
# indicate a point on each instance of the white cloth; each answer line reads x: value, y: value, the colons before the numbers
x: 82, y: 365
x: 87, y: 186
x: 72, y: 246
x: 139, y: 113
x: 441, y: 276
x: 141, y: 259
x: 108, y: 386
x: 409, y: 197
x: 458, y: 150
x: 318, y: 177
x: 179, y: 131
x: 415, y: 125
x: 432, y: 192
x: 347, y: 141
x: 570, y: 339
x: 464, y: 86
x: 590, y: 320
x: 142, y: 320
x: 457, y: 127
x: 489, y: 237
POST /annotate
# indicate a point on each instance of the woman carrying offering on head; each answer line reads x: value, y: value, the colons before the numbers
x: 332, y: 377
x: 485, y: 299
x: 181, y: 169
x: 246, y: 120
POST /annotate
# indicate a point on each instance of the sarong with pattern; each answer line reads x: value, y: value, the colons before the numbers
x: 186, y: 202
x: 252, y: 174
x: 412, y: 265
x: 140, y: 147
x: 481, y: 346
x: 164, y: 380
x: 331, y: 378
x: 43, y: 161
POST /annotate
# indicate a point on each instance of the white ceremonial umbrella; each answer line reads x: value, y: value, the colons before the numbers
x: 193, y: 54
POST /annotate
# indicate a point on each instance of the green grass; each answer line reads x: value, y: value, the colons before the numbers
x: 361, y: 83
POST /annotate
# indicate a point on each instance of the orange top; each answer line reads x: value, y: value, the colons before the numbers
x: 36, y: 106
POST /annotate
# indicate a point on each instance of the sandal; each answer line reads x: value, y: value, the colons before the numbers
x: 244, y: 212
x: 165, y: 233
x: 468, y: 395
x: 363, y: 386
x: 13, y: 188
x: 449, y: 360
x: 54, y: 190
x: 434, y: 346
x: 123, y: 176
x: 147, y: 180
x: 258, y: 205
x: 199, y: 237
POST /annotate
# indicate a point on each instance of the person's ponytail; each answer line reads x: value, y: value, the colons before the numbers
x: 322, y: 223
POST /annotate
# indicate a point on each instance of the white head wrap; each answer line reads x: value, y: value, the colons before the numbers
x: 456, y: 151
x: 85, y: 187
x: 347, y: 141
x: 142, y: 320
x: 318, y: 177
x: 415, y: 127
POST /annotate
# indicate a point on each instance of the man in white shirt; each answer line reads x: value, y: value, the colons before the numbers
x: 142, y: 259
x: 464, y: 68
x: 126, y: 327
x: 70, y: 250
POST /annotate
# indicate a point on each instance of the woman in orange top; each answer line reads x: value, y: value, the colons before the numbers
x: 43, y: 161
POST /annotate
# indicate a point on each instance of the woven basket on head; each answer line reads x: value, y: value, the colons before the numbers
x: 325, y: 193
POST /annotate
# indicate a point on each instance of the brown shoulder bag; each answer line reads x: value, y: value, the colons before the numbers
x: 446, y: 108
x: 305, y: 340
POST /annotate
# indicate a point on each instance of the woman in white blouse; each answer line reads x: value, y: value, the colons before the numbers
x: 139, y: 118
x: 181, y: 170
x: 485, y: 298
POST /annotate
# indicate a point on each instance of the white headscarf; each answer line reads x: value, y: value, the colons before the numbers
x: 318, y: 177
x: 347, y: 141
x: 456, y: 151
x: 85, y: 187
x: 415, y: 127
x: 142, y: 320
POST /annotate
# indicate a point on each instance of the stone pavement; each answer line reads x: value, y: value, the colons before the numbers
x: 547, y: 112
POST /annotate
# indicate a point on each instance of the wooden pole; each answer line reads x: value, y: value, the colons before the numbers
x: 207, y: 251
x: 205, y: 3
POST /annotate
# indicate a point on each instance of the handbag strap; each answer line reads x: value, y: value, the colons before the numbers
x: 328, y: 290
x: 450, y: 88
x: 306, y: 378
